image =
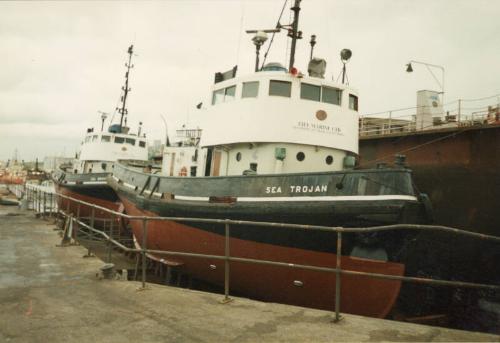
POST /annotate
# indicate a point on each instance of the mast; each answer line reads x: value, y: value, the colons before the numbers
x: 294, y: 33
x: 123, y: 111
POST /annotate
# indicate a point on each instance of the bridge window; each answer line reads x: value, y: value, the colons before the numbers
x: 280, y: 88
x: 331, y: 95
x: 353, y: 102
x: 310, y: 92
x: 142, y: 144
x: 218, y: 96
x: 94, y: 138
x: 223, y: 95
x: 130, y: 141
x: 230, y: 93
x: 105, y: 138
x: 119, y: 140
x: 250, y: 89
x: 87, y: 139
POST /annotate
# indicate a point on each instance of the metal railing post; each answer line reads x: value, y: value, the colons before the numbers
x: 51, y: 204
x: 77, y: 220
x: 144, y: 243
x: 109, y: 239
x: 337, y: 276
x: 226, y: 261
x: 67, y: 206
x: 390, y: 122
x: 44, y: 204
x: 91, y: 235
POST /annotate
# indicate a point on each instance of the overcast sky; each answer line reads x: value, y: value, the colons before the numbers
x: 62, y: 62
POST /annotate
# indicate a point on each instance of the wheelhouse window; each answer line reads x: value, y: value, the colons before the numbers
x: 310, y: 92
x: 142, y: 144
x: 250, y: 89
x: 119, y: 140
x: 105, y: 138
x: 218, y: 96
x: 331, y: 95
x: 280, y: 88
x: 230, y: 93
x: 94, y: 138
x: 130, y: 141
x: 224, y: 95
x: 353, y: 102
x: 87, y: 139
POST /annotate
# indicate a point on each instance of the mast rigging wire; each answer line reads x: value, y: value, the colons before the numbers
x: 274, y: 33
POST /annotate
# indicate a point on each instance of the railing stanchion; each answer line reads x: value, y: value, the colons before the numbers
x: 44, y: 204
x: 144, y: 243
x: 77, y: 229
x: 227, y: 270
x: 51, y: 204
x: 109, y: 239
x: 337, y: 277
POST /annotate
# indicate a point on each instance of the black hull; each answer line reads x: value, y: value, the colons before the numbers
x: 328, y: 209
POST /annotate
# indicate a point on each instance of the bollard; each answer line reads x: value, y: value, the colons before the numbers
x: 144, y: 243
x: 337, y: 277
x: 226, y: 262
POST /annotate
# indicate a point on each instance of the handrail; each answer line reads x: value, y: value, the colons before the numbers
x: 228, y: 258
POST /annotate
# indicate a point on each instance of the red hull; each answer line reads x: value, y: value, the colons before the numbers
x: 360, y: 295
x: 86, y: 211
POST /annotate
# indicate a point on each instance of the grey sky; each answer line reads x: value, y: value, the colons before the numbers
x: 64, y: 61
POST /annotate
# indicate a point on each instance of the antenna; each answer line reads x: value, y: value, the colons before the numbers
x: 104, y: 115
x: 345, y: 56
x: 294, y: 33
x: 259, y: 39
x: 313, y: 43
x: 123, y: 111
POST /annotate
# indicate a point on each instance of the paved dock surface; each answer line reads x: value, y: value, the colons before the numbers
x: 51, y: 294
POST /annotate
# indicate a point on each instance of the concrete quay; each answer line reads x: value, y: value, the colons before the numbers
x: 52, y: 294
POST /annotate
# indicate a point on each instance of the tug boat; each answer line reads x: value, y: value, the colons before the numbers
x: 278, y: 146
x: 85, y: 178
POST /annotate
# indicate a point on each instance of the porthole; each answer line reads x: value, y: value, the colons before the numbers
x: 238, y: 156
x: 301, y: 156
x: 329, y: 159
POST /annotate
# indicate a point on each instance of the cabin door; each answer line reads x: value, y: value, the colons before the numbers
x: 172, y: 163
x: 216, y: 163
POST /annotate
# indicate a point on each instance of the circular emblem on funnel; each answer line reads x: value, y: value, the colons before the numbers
x: 321, y: 115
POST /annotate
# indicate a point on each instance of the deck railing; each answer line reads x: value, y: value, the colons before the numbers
x: 37, y: 195
x: 460, y: 113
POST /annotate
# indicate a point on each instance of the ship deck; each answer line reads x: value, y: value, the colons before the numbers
x: 52, y: 294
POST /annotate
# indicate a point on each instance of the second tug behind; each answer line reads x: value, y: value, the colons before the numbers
x: 278, y: 147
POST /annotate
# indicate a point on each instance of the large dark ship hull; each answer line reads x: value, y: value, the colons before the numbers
x: 144, y: 194
x: 459, y: 168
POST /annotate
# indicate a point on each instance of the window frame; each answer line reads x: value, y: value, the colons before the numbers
x: 248, y: 83
x: 289, y: 83
x: 355, y: 104
x: 316, y: 87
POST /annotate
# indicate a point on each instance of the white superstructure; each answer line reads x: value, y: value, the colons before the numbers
x: 271, y: 122
x: 100, y: 149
